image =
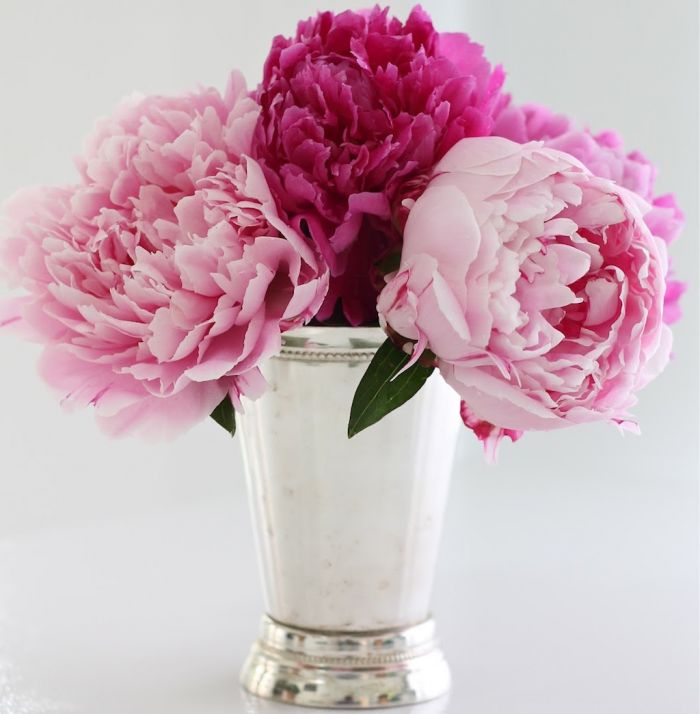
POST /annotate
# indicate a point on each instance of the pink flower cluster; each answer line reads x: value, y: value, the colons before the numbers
x: 531, y: 255
x: 163, y: 278
x: 536, y: 284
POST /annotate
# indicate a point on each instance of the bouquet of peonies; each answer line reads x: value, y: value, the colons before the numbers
x: 377, y: 175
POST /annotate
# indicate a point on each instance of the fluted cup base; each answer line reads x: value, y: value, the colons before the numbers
x: 365, y: 670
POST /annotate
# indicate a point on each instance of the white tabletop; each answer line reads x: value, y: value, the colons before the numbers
x: 547, y: 599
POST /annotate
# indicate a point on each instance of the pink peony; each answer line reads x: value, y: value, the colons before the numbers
x: 162, y: 280
x: 537, y: 285
x: 489, y: 435
x: 353, y: 106
x: 604, y: 155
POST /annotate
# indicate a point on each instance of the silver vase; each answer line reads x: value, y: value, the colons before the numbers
x: 347, y: 530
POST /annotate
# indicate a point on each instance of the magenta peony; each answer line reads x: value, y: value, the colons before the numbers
x: 162, y: 279
x: 604, y: 155
x: 352, y: 107
x: 538, y: 287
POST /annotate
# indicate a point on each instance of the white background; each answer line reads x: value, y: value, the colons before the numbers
x: 569, y: 577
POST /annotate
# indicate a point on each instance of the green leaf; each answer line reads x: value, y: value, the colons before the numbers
x: 224, y: 415
x: 379, y: 393
x: 390, y: 263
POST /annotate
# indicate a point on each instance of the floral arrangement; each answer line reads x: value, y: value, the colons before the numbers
x: 378, y: 174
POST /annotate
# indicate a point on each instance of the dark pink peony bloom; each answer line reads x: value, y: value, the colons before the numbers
x: 164, y: 277
x: 605, y: 156
x: 353, y: 106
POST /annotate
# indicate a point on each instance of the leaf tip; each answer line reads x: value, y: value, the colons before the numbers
x: 225, y: 416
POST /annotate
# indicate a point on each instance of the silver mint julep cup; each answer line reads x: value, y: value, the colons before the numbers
x: 347, y: 530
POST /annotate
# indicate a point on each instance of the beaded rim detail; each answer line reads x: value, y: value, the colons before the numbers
x: 316, y: 354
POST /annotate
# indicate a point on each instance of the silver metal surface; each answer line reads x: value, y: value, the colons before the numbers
x: 346, y: 670
x: 347, y: 530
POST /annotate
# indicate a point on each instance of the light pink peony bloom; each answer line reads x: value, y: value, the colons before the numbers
x: 604, y: 155
x: 163, y: 279
x: 489, y: 435
x: 537, y: 285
